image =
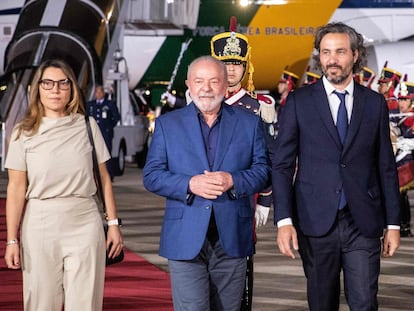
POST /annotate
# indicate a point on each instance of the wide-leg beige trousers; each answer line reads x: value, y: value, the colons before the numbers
x: 63, y: 255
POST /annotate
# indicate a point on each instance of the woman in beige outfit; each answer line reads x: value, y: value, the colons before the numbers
x: 62, y: 247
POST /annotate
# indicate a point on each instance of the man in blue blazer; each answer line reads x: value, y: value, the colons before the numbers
x: 208, y: 159
x: 335, y: 179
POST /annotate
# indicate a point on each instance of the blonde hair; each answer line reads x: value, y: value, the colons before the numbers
x: 33, y: 118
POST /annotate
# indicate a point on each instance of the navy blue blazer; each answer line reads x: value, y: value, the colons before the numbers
x: 177, y: 153
x: 364, y: 166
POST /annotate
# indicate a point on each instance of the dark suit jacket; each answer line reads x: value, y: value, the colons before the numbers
x: 177, y: 153
x: 365, y: 166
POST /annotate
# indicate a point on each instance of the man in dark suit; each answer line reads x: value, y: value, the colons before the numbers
x: 335, y: 178
x: 208, y: 159
x: 106, y: 114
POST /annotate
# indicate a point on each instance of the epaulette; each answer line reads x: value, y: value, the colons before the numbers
x: 267, y: 108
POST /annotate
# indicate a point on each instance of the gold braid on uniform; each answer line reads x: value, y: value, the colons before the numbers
x: 250, y: 85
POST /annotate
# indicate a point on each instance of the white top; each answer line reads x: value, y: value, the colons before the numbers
x: 58, y: 158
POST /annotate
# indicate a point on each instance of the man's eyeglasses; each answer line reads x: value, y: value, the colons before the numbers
x: 48, y: 84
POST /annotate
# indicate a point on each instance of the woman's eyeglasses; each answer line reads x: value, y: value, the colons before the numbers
x: 48, y: 84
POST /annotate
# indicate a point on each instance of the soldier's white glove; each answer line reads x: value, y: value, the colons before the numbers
x: 261, y: 215
x: 170, y: 98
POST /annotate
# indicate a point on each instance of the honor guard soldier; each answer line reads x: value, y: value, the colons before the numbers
x: 365, y: 77
x: 310, y: 77
x: 286, y: 85
x: 387, y: 83
x: 404, y: 156
x: 234, y: 50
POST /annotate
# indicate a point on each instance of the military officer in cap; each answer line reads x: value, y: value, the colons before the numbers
x: 234, y: 50
x: 365, y: 77
x: 387, y: 83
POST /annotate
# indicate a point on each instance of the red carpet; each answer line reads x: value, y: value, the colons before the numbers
x: 134, y: 284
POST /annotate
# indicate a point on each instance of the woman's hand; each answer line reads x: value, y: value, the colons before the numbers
x: 114, y: 236
x: 12, y: 256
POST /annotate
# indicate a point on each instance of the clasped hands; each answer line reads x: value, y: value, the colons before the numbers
x: 211, y: 185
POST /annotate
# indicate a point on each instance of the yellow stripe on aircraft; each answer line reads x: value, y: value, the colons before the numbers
x: 282, y: 35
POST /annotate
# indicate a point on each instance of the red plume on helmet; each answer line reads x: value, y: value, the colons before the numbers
x: 233, y: 24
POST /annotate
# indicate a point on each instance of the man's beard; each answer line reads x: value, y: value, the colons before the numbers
x: 209, y: 106
x: 338, y: 78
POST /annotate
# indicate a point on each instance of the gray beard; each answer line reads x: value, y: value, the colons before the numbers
x: 336, y: 79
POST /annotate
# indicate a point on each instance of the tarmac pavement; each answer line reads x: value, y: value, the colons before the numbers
x: 279, y: 282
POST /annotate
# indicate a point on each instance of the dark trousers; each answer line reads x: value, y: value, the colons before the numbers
x: 343, y: 248
x: 212, y: 281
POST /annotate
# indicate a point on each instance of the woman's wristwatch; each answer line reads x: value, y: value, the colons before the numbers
x: 115, y: 222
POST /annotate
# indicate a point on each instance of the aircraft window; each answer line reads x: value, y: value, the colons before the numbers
x: 7, y: 31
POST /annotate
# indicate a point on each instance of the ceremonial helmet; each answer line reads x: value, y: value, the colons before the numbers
x: 233, y: 47
x: 406, y: 89
x: 290, y: 78
x: 365, y: 77
x: 310, y: 77
x: 388, y: 74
